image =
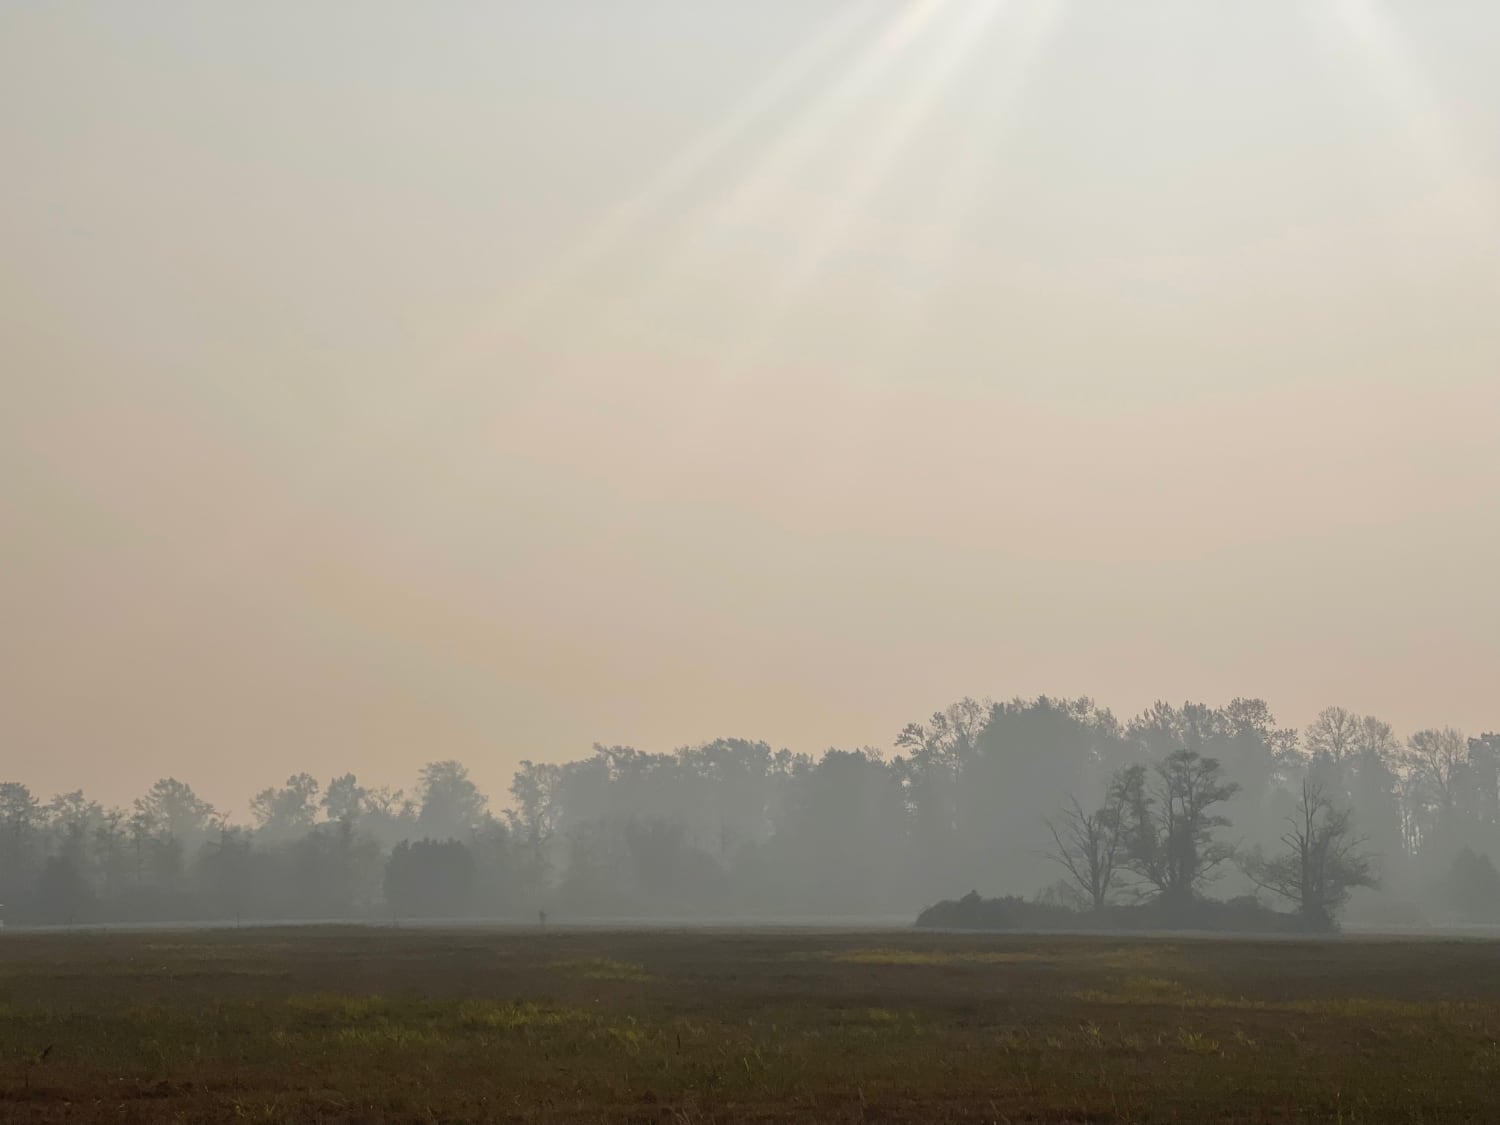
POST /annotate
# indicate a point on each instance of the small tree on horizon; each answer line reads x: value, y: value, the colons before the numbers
x: 1087, y: 845
x: 1323, y: 861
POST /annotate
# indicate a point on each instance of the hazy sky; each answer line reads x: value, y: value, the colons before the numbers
x: 386, y: 382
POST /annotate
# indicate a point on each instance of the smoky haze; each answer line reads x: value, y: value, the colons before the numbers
x: 1054, y: 800
x: 389, y: 386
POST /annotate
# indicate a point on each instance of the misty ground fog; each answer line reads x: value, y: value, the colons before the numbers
x: 986, y: 797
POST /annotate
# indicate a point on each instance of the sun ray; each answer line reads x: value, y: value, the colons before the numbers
x: 967, y: 39
x: 813, y: 128
x: 626, y: 216
x: 1013, y: 67
x: 973, y: 36
x: 798, y: 144
x: 1430, y: 130
x: 1010, y: 49
x: 847, y: 90
x: 464, y: 364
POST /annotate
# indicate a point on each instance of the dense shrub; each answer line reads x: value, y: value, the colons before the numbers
x: 1007, y: 913
x: 1239, y: 915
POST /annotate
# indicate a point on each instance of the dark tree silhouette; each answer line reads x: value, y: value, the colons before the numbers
x: 1169, y: 828
x: 1321, y: 861
x: 1088, y: 845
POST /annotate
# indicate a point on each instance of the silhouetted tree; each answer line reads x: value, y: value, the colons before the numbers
x: 344, y: 800
x: 1334, y: 735
x: 1484, y: 776
x: 1354, y: 760
x: 171, y: 809
x: 1169, y: 828
x: 451, y: 805
x: 933, y: 760
x: 111, y: 854
x: 20, y: 843
x: 289, y: 812
x: 1375, y: 789
x: 70, y: 819
x: 533, y: 821
x: 1438, y: 759
x: 1087, y: 845
x: 1321, y: 861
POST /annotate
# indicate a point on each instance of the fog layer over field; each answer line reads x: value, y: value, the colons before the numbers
x: 982, y: 796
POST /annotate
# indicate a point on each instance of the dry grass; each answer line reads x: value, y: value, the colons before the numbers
x: 939, y: 957
x: 409, y: 1026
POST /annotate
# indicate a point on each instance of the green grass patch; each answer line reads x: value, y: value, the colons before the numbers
x: 601, y: 968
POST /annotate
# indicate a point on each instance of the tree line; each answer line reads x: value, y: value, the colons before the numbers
x: 1051, y: 797
x: 1158, y: 833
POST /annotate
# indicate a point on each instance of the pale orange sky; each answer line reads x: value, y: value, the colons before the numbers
x: 387, y: 382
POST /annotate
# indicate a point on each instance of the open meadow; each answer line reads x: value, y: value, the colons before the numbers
x: 354, y: 1024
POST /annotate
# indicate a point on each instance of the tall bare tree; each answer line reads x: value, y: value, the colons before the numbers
x: 1484, y: 772
x: 537, y: 789
x: 1088, y: 845
x: 1322, y: 861
x: 1333, y: 736
x: 1438, y: 759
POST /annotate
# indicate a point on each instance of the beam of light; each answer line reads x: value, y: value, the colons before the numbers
x: 796, y: 145
x: 1431, y: 130
x: 395, y: 422
x: 1009, y: 51
x: 390, y: 421
x: 869, y: 172
x: 873, y: 171
x: 1012, y: 69
x: 819, y: 121
x: 1011, y: 63
x: 625, y: 217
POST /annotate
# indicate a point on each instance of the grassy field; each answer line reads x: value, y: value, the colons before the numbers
x: 424, y: 1026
